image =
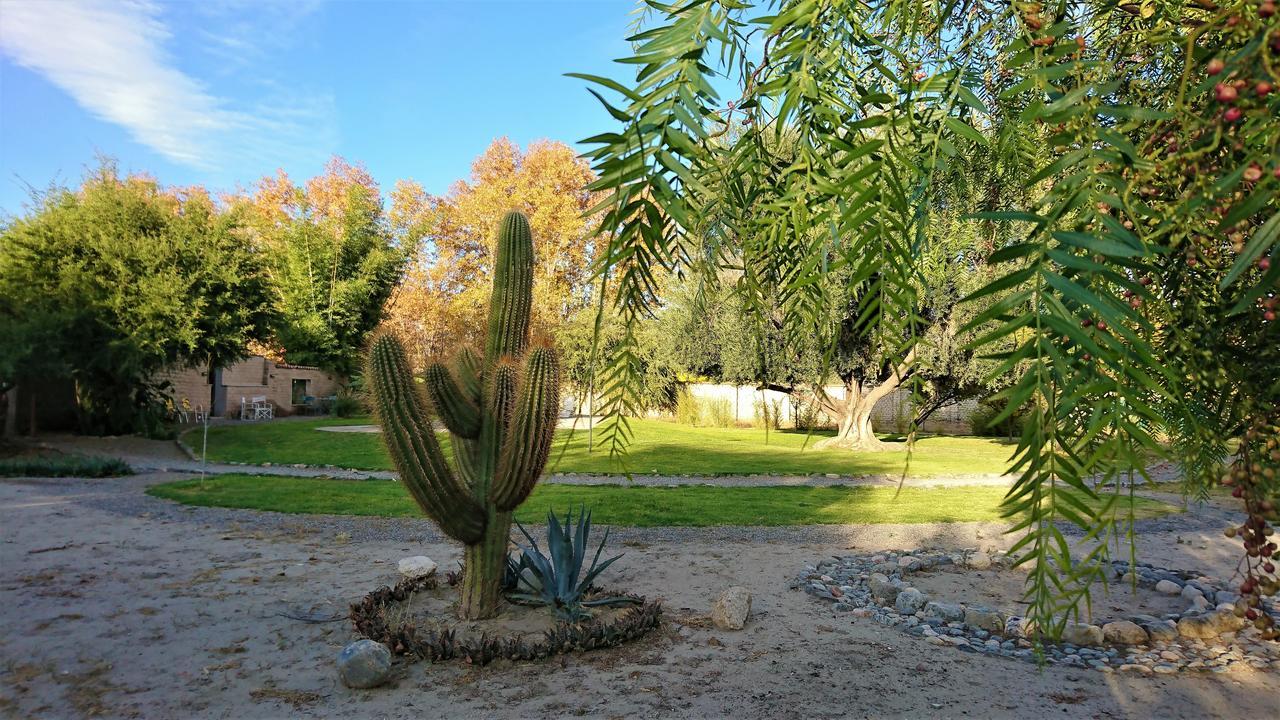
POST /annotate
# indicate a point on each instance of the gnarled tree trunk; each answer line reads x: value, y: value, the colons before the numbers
x: 853, y: 413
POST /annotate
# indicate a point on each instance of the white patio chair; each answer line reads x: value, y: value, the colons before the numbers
x: 262, y: 408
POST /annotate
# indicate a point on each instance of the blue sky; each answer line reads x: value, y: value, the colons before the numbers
x: 222, y: 93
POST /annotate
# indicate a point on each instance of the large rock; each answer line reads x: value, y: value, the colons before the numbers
x: 1162, y: 630
x: 364, y: 664
x: 984, y: 619
x: 1082, y: 634
x: 1209, y: 625
x: 1019, y: 627
x: 980, y: 560
x: 1123, y: 632
x: 910, y: 601
x: 1168, y: 587
x: 882, y: 590
x: 731, y: 610
x: 416, y: 566
x: 946, y: 612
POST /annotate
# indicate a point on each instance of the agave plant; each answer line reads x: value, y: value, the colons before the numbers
x: 557, y: 579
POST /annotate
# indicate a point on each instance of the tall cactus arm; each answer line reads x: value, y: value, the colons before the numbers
x: 468, y: 369
x: 413, y: 447
x: 512, y: 289
x: 459, y: 413
x: 529, y: 435
x: 503, y: 378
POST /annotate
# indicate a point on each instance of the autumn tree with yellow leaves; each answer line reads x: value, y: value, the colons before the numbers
x: 442, y: 299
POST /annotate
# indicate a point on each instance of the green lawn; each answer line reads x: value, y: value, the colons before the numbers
x: 659, y: 448
x: 686, y: 505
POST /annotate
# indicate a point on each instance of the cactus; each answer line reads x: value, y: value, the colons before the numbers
x: 500, y: 409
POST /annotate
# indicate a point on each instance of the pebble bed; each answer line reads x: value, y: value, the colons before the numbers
x: 1206, y: 637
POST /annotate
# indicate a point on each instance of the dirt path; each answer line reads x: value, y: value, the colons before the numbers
x: 115, y: 604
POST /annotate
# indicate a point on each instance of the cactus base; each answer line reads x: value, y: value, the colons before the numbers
x: 484, y: 565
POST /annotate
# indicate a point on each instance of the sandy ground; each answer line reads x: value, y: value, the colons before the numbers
x: 115, y: 604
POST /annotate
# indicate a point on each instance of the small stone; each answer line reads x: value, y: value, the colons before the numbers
x: 731, y: 610
x: 416, y: 566
x: 1190, y: 593
x: 1165, y: 669
x: 364, y: 664
x: 1082, y: 634
x: 910, y: 601
x: 1123, y: 632
x: 980, y: 560
x: 1168, y: 587
x: 1134, y: 668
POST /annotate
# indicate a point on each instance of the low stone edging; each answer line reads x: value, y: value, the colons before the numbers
x: 875, y: 586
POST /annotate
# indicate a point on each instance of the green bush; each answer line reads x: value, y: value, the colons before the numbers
x: 64, y: 466
x: 987, y: 410
x: 719, y: 413
x: 688, y: 408
x: 809, y: 416
x: 347, y: 404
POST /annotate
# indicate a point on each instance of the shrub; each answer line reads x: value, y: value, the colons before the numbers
x: 719, y: 413
x: 809, y: 416
x: 987, y: 410
x: 688, y: 408
x: 768, y: 414
x: 347, y: 404
x: 64, y: 466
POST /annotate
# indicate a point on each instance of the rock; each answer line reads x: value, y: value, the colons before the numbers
x: 416, y: 566
x: 910, y: 601
x: 944, y: 611
x: 364, y: 664
x: 1123, y: 632
x: 1190, y: 593
x: 1168, y: 587
x: 984, y: 619
x: 1209, y: 625
x: 1135, y: 668
x: 1082, y: 634
x: 1019, y: 627
x: 980, y: 560
x: 1161, y: 630
x: 882, y: 590
x: 1198, y: 604
x: 909, y: 562
x: 1226, y: 597
x: 731, y: 610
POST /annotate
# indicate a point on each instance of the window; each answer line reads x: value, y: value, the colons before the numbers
x: 300, y: 392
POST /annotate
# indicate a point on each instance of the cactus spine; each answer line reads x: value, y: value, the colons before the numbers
x: 501, y: 410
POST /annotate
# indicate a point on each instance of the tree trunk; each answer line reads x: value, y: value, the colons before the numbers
x: 854, y: 413
x: 855, y: 431
x: 11, y: 413
x: 483, y: 568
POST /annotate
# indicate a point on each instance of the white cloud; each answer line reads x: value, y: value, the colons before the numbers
x: 110, y: 57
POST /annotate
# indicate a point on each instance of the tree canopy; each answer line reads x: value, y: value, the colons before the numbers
x: 1135, y: 276
x: 112, y: 283
x: 442, y: 300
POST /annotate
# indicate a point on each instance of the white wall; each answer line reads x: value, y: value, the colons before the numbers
x: 891, y: 414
